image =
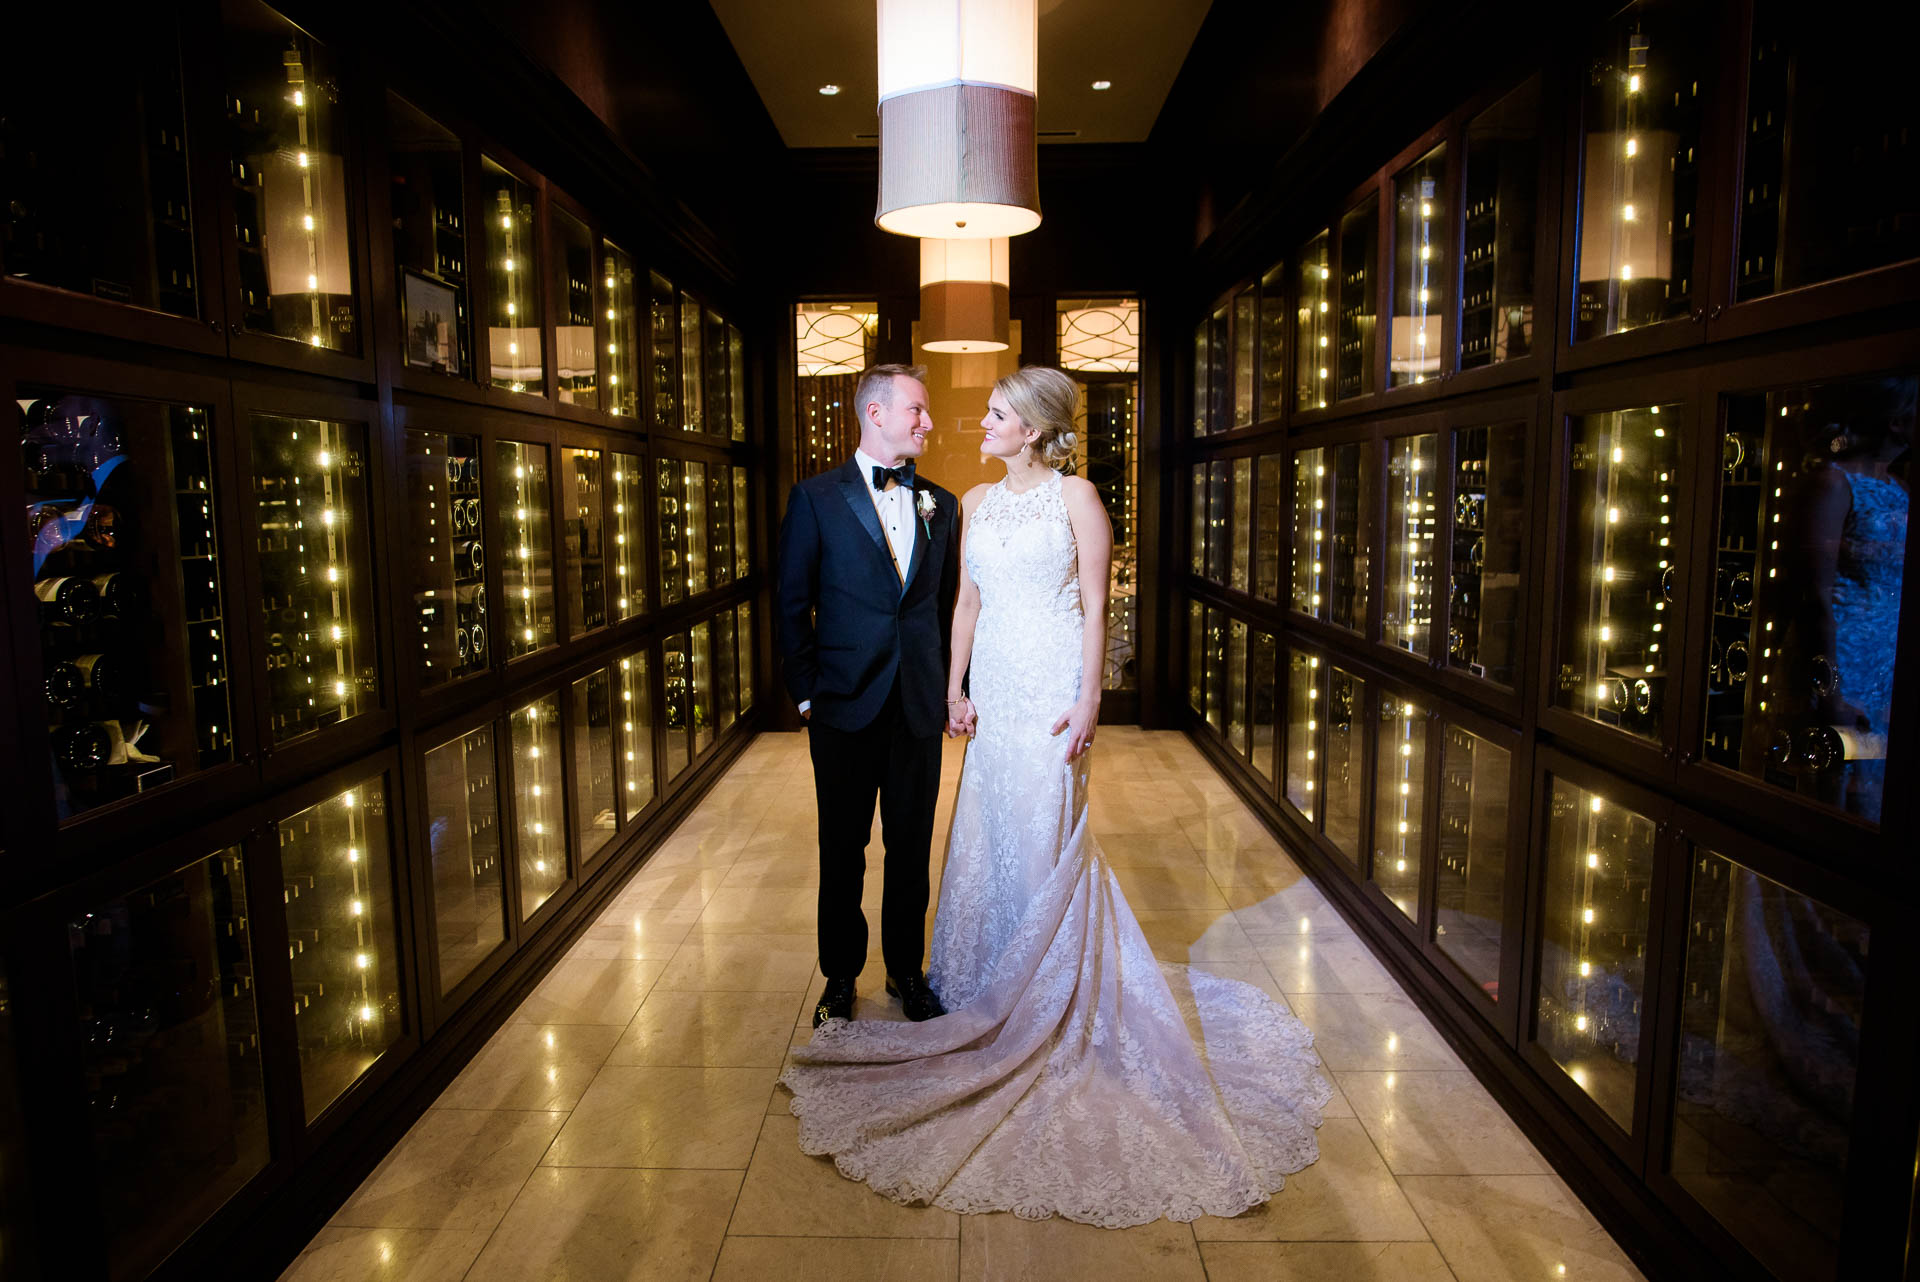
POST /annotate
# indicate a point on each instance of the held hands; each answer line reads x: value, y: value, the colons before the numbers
x: 961, y: 718
x: 1078, y: 721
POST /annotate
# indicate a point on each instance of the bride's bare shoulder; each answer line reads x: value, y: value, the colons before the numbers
x: 971, y: 499
x: 1078, y: 491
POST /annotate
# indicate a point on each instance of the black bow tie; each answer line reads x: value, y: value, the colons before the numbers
x: 902, y: 475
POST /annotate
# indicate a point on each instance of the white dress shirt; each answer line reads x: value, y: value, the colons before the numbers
x: 895, y: 510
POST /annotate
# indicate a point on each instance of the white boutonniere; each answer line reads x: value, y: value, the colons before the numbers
x: 924, y: 500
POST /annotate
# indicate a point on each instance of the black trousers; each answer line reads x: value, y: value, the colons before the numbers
x: 849, y: 769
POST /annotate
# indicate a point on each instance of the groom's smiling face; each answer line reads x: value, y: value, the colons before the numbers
x: 898, y: 429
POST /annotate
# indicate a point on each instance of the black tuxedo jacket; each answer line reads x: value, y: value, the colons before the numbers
x: 847, y: 625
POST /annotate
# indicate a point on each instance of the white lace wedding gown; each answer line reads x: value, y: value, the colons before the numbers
x: 1065, y: 1080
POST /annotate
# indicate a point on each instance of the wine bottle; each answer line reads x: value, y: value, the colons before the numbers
x: 82, y: 747
x: 122, y: 595
x: 68, y: 597
x: 103, y: 676
x: 65, y: 685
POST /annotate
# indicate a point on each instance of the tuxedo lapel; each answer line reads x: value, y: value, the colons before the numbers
x: 921, y: 539
x: 853, y: 489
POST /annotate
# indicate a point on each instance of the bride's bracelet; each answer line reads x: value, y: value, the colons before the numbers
x: 962, y: 699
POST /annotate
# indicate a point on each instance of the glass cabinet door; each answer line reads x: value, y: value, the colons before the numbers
x: 1237, y: 685
x: 719, y: 359
x: 1262, y: 714
x: 169, y: 1042
x: 595, y: 798
x: 742, y: 525
x: 743, y: 631
x: 133, y: 243
x: 427, y: 192
x: 1220, y: 388
x: 540, y: 842
x: 570, y: 277
x: 1313, y: 325
x: 1827, y: 184
x: 702, y: 695
x: 1357, y: 322
x: 1502, y: 192
x: 1269, y: 551
x: 1346, y: 761
x: 1273, y: 344
x: 1593, y: 954
x: 1347, y: 492
x: 583, y: 539
x: 310, y: 485
x: 1219, y: 520
x: 341, y: 941
x: 662, y: 330
x: 1622, y: 581
x: 1245, y: 324
x: 121, y: 512
x: 1413, y: 527
x: 1640, y: 177
x: 1306, y: 689
x: 736, y: 385
x: 670, y: 493
x: 1215, y: 674
x: 1309, y: 531
x: 1400, y: 802
x: 636, y: 734
x: 692, y: 368
x: 1422, y: 273
x: 1201, y: 392
x: 629, y: 537
x: 1240, y: 533
x: 726, y: 680
x: 526, y: 575
x: 514, y: 331
x: 1197, y: 514
x: 720, y: 523
x: 463, y: 836
x: 620, y: 359
x: 287, y: 143
x: 1488, y: 562
x: 1764, y: 1095
x: 1196, y: 657
x: 448, y: 550
x: 676, y: 710
x: 694, y: 494
x: 1471, y: 877
x: 1812, y: 531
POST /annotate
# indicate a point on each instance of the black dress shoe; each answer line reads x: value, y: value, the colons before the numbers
x: 836, y: 1002
x: 916, y: 999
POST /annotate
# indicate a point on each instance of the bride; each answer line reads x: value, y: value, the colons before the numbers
x: 1065, y: 1081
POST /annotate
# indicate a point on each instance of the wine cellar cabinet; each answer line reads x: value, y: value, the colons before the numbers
x: 1549, y: 588
x: 390, y: 585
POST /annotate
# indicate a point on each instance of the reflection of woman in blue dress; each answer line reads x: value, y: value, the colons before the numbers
x: 1856, y: 534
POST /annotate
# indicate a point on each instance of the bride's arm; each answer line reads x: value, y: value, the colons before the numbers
x: 966, y: 611
x: 1093, y: 536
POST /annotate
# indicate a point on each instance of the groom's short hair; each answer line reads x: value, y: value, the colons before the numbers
x: 876, y: 384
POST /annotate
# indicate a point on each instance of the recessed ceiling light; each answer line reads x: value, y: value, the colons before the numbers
x: 840, y: 307
x: 1098, y: 84
x: 829, y: 91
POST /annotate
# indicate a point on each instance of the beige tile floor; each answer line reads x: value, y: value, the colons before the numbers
x: 625, y: 1122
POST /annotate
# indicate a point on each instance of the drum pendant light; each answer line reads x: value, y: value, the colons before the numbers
x: 963, y: 295
x: 958, y: 153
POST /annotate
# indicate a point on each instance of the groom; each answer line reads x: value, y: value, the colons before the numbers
x: 869, y: 567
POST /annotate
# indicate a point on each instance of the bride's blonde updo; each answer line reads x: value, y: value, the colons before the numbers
x: 1045, y: 400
